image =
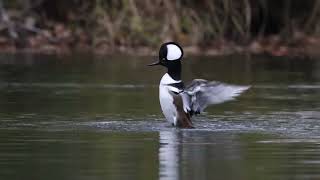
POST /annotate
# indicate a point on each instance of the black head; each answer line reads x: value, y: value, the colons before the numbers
x: 170, y: 55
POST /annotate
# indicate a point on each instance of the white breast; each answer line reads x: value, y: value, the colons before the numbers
x: 166, y: 99
x: 167, y: 106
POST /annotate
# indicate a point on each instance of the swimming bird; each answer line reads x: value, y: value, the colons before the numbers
x: 178, y: 102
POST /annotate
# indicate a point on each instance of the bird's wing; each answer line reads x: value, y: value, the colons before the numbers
x: 200, y: 93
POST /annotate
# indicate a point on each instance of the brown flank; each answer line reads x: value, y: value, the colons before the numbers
x: 183, y: 118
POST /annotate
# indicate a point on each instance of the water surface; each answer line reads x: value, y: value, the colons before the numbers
x: 92, y: 117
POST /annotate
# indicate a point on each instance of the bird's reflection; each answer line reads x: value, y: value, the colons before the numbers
x: 185, y: 154
x: 169, y: 155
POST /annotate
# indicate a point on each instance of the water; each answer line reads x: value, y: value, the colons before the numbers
x: 91, y: 117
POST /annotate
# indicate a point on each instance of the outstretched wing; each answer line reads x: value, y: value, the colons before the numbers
x: 200, y: 93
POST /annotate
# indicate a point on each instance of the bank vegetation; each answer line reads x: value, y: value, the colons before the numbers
x: 140, y: 26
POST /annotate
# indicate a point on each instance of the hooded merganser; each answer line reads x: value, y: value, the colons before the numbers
x: 180, y: 103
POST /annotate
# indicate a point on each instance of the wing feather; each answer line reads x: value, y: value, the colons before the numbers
x: 200, y: 93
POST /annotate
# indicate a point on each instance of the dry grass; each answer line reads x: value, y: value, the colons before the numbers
x: 130, y: 23
x: 146, y: 22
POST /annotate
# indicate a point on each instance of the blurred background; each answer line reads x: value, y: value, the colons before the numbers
x: 77, y: 100
x: 206, y: 26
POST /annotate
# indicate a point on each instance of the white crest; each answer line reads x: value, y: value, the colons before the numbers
x: 173, y: 52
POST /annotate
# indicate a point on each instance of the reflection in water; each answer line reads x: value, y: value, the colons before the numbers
x: 73, y: 118
x: 168, y: 155
x: 194, y: 154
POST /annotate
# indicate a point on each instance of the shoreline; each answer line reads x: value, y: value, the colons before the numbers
x: 306, y: 47
x: 137, y: 28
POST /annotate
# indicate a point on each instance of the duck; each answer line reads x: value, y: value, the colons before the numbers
x: 179, y: 102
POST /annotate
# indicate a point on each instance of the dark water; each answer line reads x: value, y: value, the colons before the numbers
x: 88, y: 117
